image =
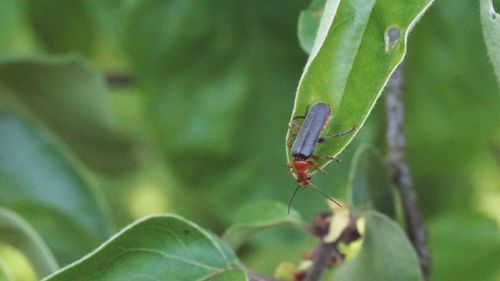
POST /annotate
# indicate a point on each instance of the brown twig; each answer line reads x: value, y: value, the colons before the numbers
x: 326, y: 253
x: 396, y: 145
x: 321, y: 261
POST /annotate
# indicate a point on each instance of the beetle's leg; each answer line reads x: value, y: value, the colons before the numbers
x: 290, y: 140
x: 294, y: 126
x: 323, y: 139
x: 321, y: 170
x: 289, y: 170
x: 316, y: 157
x: 317, y: 166
x: 307, y: 110
x: 338, y: 160
x: 299, y: 117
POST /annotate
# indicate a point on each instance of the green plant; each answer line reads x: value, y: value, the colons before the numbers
x: 111, y: 111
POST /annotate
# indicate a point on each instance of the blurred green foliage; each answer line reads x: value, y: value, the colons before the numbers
x: 18, y: 233
x: 200, y: 127
x: 78, y: 92
x: 369, y: 183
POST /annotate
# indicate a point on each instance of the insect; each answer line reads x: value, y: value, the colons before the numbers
x: 306, y: 137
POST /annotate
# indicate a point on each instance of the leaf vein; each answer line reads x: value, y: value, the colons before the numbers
x: 174, y: 257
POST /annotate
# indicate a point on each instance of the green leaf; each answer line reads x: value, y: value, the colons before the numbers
x: 256, y: 217
x: 15, y: 231
x: 5, y: 274
x: 386, y: 254
x: 69, y: 97
x: 490, y: 20
x: 308, y: 24
x: 15, y: 33
x: 370, y: 186
x: 62, y: 26
x: 48, y: 191
x: 358, y: 45
x: 163, y: 247
x: 474, y: 235
x: 7, y: 24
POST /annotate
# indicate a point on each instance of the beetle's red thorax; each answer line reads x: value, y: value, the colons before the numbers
x: 300, y: 166
x: 301, y: 170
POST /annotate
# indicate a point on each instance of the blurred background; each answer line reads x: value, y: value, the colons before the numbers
x: 193, y: 100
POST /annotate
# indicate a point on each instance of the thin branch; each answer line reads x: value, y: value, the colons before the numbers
x: 321, y: 260
x: 320, y: 254
x: 396, y: 144
x: 326, y: 253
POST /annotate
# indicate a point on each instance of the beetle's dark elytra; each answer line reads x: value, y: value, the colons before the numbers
x: 310, y: 131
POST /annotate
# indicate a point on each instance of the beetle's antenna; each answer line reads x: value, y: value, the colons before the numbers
x: 325, y: 195
x: 293, y: 196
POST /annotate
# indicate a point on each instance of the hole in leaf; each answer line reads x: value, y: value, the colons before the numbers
x: 392, y: 36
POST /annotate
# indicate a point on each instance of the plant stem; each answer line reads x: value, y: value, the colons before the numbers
x: 326, y: 253
x: 396, y: 145
x: 321, y: 260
